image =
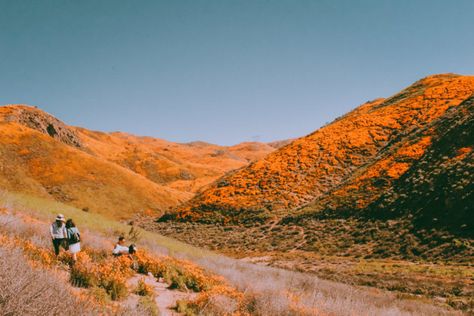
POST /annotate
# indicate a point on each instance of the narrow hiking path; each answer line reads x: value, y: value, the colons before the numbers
x: 165, y: 298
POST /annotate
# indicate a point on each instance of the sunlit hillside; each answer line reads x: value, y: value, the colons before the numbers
x: 116, y: 174
x: 353, y: 146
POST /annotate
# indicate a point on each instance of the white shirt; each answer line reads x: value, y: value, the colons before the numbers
x: 120, y: 249
x: 58, y: 232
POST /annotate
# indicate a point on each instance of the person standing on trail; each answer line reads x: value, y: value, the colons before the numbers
x: 73, y: 239
x: 59, y: 234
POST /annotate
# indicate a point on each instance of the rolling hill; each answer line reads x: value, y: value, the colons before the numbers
x: 116, y: 174
x: 425, y: 213
x: 370, y: 147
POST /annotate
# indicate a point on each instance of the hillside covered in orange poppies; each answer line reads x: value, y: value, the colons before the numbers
x: 364, y: 150
x: 116, y: 174
x: 391, y: 179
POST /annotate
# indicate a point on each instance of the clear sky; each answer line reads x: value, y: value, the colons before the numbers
x: 223, y: 71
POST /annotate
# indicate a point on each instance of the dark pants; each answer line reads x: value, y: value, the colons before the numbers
x: 62, y: 242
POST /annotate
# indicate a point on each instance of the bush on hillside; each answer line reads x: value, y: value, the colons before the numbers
x: 28, y: 291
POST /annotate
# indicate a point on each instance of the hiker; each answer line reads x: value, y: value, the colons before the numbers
x: 58, y: 234
x: 73, y: 238
x: 121, y: 249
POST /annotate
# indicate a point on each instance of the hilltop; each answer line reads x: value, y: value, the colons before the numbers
x: 116, y: 174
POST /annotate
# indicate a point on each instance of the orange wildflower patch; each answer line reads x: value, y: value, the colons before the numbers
x: 97, y: 269
x: 462, y: 153
x: 179, y: 274
x: 397, y: 169
x: 416, y: 150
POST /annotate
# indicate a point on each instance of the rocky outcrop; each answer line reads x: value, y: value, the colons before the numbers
x: 43, y: 122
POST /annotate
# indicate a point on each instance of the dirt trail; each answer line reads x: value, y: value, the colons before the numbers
x: 165, y: 298
x: 302, y: 235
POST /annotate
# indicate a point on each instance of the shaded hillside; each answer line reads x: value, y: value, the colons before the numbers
x: 116, y: 174
x: 427, y: 212
x: 426, y: 149
x: 370, y: 145
x: 438, y: 191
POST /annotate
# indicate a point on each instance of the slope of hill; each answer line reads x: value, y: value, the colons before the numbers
x: 406, y: 171
x: 370, y: 145
x: 426, y: 213
x: 438, y: 191
x: 185, y: 167
x: 203, y: 284
x: 115, y: 174
x: 36, y: 163
x: 406, y: 210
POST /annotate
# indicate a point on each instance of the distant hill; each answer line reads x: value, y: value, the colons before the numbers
x: 351, y: 160
x: 184, y: 167
x: 116, y: 174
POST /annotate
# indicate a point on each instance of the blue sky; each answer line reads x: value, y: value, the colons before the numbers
x: 223, y: 71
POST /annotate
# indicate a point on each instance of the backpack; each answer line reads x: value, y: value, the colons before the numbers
x: 74, y: 236
x: 132, y: 249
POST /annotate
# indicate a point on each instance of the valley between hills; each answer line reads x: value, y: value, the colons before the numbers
x: 382, y: 197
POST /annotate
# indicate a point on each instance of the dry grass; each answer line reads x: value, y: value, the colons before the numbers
x: 144, y: 289
x: 98, y: 273
x: 276, y: 291
x: 263, y: 290
x: 335, y: 252
x: 28, y: 291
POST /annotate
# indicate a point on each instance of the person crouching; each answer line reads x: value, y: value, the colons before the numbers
x: 121, y: 249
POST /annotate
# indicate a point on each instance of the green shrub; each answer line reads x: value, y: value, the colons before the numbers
x: 147, y: 306
x: 81, y: 277
x: 115, y: 288
x: 144, y: 289
x: 185, y: 308
x: 100, y: 295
